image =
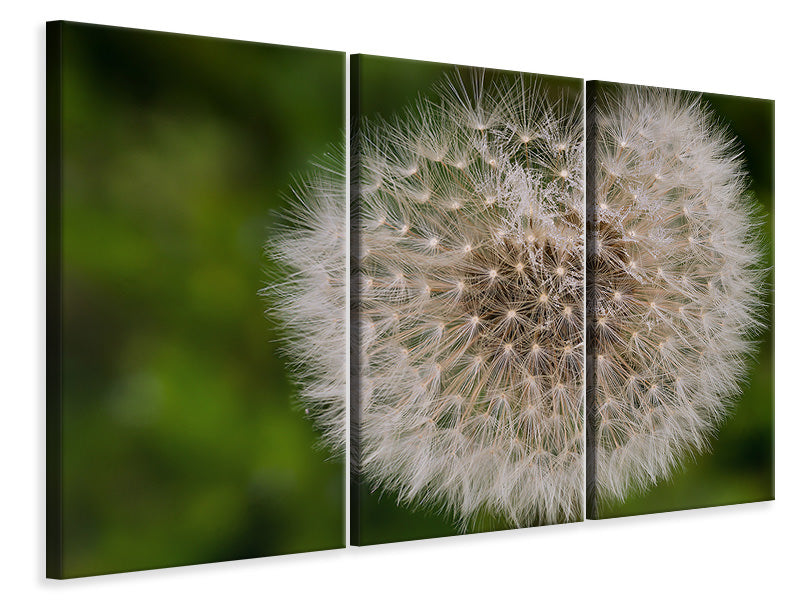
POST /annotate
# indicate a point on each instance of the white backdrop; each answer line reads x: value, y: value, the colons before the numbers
x: 739, y: 48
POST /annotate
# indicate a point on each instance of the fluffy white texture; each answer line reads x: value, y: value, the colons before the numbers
x: 674, y: 284
x: 309, y: 298
x: 471, y: 303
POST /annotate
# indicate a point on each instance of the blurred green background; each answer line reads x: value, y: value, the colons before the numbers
x: 739, y: 466
x: 385, y: 87
x: 180, y: 440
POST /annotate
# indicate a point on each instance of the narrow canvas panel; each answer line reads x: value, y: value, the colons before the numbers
x: 680, y: 396
x: 467, y: 292
x: 176, y: 425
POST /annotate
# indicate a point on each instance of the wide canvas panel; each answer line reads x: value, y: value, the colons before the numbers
x: 467, y: 398
x: 680, y: 379
x: 184, y: 426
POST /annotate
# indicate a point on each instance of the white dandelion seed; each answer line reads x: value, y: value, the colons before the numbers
x: 674, y: 284
x: 309, y: 296
x: 472, y: 362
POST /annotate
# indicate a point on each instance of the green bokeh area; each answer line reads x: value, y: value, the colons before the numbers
x: 384, y: 87
x: 181, y: 442
x: 739, y: 464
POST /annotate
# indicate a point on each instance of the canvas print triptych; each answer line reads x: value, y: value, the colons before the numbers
x: 507, y: 300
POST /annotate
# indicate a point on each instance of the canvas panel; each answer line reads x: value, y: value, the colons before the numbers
x: 680, y: 355
x: 176, y: 429
x: 467, y: 291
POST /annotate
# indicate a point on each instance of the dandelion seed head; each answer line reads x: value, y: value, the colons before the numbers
x: 507, y: 265
x: 308, y: 299
x: 677, y: 344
